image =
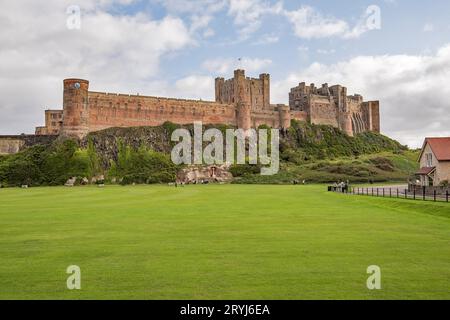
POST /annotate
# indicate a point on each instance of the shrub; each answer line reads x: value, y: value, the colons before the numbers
x: 240, y: 170
x: 383, y: 163
x: 142, y: 166
x: 40, y: 165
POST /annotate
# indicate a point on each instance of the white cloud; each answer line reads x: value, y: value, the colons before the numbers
x: 249, y: 13
x: 412, y: 90
x: 225, y: 66
x: 193, y: 6
x: 201, y: 12
x: 195, y: 87
x: 200, y: 22
x: 308, y: 24
x: 121, y: 53
x: 311, y: 24
x: 209, y: 32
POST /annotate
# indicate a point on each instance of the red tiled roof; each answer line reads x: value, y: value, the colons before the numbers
x: 440, y: 147
x: 425, y: 171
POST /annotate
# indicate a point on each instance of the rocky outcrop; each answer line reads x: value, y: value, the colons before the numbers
x: 201, y: 174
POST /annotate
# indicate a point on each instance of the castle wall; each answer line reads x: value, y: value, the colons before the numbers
x: 323, y: 110
x: 354, y: 104
x: 265, y: 117
x: 299, y: 115
x: 10, y: 145
x: 15, y: 143
x: 120, y: 110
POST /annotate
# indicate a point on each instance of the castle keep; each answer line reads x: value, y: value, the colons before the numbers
x: 241, y: 101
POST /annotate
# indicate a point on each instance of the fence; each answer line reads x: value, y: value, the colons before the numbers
x: 384, y: 192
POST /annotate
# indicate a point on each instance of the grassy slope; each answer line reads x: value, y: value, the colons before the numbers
x: 319, y: 154
x: 378, y: 167
x: 219, y: 242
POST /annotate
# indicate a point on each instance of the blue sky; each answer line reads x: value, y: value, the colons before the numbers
x: 176, y: 48
x: 402, y: 32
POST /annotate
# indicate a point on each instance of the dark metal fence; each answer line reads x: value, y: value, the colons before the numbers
x: 386, y: 192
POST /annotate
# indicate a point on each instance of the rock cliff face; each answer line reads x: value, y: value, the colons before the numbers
x: 157, y: 138
x: 106, y: 141
x: 199, y: 174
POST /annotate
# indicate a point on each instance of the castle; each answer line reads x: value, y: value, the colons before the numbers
x: 241, y: 101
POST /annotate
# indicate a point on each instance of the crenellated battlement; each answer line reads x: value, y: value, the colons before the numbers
x: 95, y: 94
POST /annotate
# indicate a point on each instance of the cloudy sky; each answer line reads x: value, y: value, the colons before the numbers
x: 395, y: 51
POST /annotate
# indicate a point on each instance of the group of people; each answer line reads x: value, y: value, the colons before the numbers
x: 341, y: 186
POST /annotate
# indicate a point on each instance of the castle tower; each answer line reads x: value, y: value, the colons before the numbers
x: 285, y: 116
x: 265, y: 79
x: 344, y: 99
x: 374, y: 107
x: 242, y: 99
x: 219, y: 84
x: 75, y: 108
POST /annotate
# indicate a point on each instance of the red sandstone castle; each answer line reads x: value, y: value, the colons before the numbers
x: 240, y: 101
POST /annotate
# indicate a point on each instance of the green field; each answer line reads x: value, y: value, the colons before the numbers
x: 220, y: 242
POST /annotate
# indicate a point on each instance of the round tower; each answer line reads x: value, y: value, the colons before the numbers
x: 244, y: 118
x: 285, y: 116
x: 76, y: 108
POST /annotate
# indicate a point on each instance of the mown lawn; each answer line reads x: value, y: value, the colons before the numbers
x: 220, y: 242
